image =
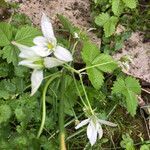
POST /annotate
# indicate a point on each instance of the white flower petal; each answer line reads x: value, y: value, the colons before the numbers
x: 40, y: 41
x: 36, y: 80
x: 30, y: 64
x: 107, y: 123
x: 63, y: 54
x: 82, y: 123
x: 100, y: 131
x: 26, y: 51
x: 92, y: 133
x: 41, y: 51
x: 47, y: 28
x: 50, y: 62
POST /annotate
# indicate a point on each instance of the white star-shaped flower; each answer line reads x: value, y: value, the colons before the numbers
x: 36, y: 57
x: 33, y: 61
x: 47, y: 44
x: 94, y: 129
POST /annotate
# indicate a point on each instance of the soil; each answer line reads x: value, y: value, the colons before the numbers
x: 77, y: 11
x: 139, y: 52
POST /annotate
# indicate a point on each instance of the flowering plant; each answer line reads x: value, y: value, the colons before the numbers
x: 64, y: 85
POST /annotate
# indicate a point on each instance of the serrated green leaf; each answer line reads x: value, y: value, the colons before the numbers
x: 131, y: 102
x: 7, y: 89
x: 101, y: 19
x: 117, y: 7
x: 96, y: 77
x: 19, y: 84
x: 110, y: 26
x: 127, y: 142
x: 129, y: 87
x: 130, y: 3
x: 10, y: 53
x: 104, y: 63
x: 5, y: 113
x: 119, y: 86
x: 4, y: 94
x: 20, y: 71
x: 26, y: 34
x: 4, y: 70
x: 96, y: 64
x: 133, y: 85
x: 20, y: 115
x: 89, y: 52
x: 5, y: 34
x: 7, y: 85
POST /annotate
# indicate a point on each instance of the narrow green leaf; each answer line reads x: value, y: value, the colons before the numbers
x: 5, y: 34
x: 110, y: 26
x: 26, y: 34
x: 130, y: 3
x: 101, y: 19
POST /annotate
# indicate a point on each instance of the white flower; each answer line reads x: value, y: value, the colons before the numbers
x: 94, y: 129
x: 35, y: 57
x: 47, y: 44
x: 32, y: 60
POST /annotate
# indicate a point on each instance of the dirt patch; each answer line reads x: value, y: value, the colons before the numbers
x: 77, y: 11
x: 140, y: 54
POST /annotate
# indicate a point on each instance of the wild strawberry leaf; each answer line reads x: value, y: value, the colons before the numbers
x: 129, y: 87
x: 130, y: 3
x: 26, y: 34
x: 5, y: 34
x: 96, y: 63
x: 10, y: 53
x: 117, y: 7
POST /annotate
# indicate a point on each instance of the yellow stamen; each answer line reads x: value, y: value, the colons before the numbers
x: 50, y: 46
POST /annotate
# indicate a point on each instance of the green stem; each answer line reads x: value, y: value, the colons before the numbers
x: 74, y: 47
x: 75, y: 82
x: 68, y: 67
x: 86, y: 94
x: 44, y: 104
x: 97, y: 65
x: 61, y: 115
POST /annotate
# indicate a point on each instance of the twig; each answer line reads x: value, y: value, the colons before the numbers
x: 145, y: 91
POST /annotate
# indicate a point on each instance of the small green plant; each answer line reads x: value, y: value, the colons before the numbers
x: 128, y: 143
x: 109, y: 21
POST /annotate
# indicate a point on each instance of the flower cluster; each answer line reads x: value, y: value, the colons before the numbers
x: 94, y: 129
x: 45, y: 54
